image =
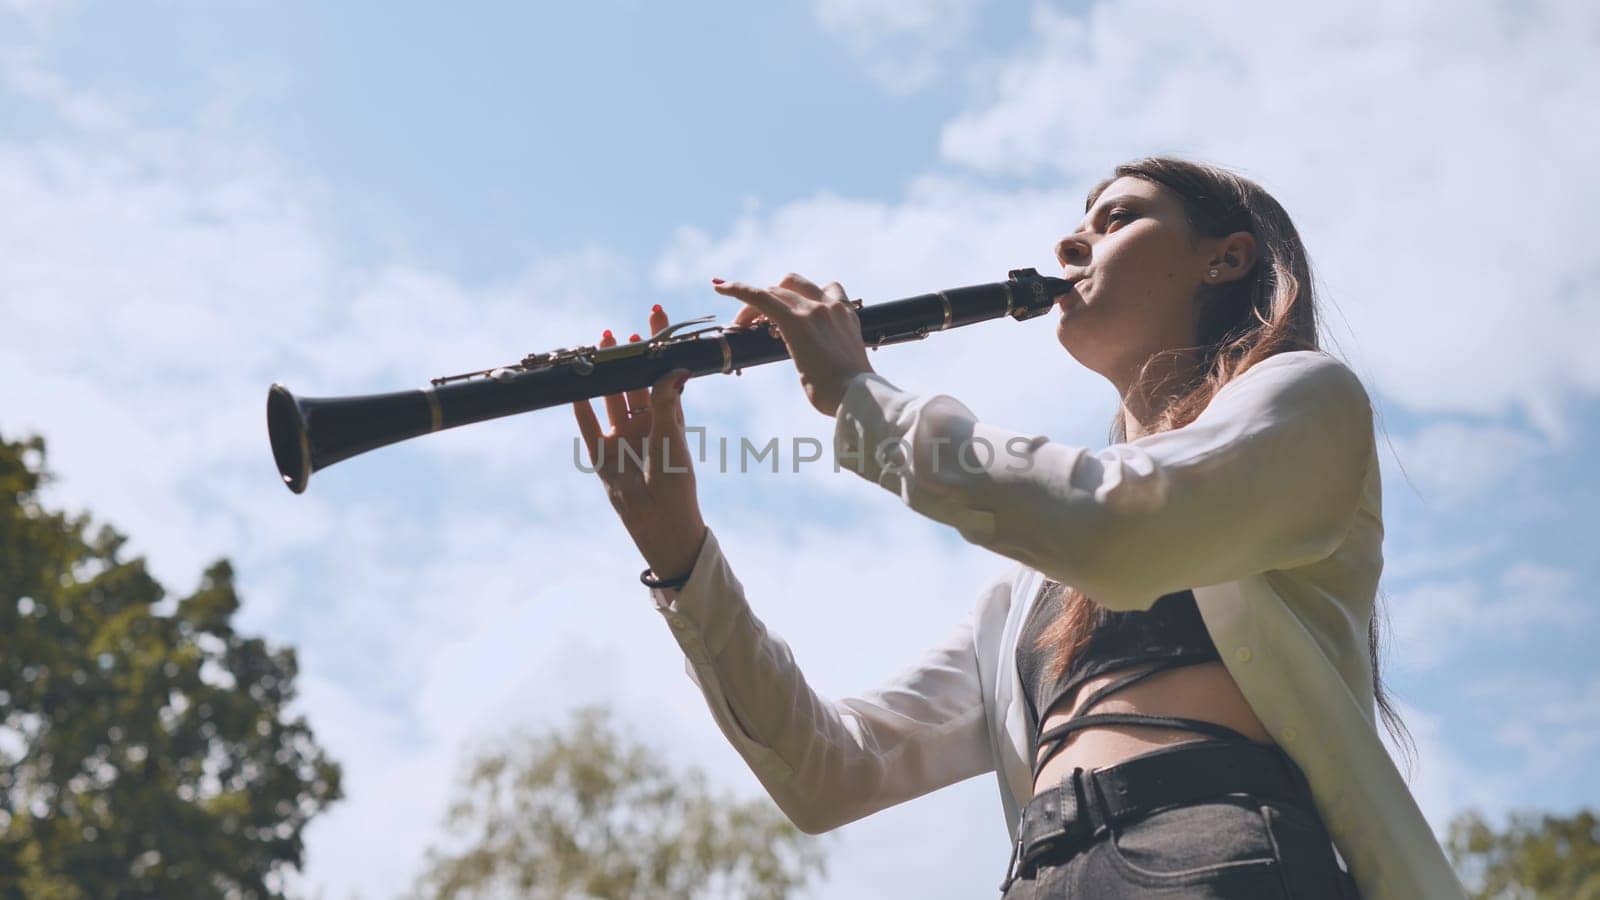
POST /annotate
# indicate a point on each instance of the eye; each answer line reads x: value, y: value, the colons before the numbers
x: 1117, y: 215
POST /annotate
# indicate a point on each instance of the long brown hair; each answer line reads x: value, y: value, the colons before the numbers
x: 1271, y: 310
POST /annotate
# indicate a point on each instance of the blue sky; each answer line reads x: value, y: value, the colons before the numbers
x: 202, y: 199
x: 473, y: 140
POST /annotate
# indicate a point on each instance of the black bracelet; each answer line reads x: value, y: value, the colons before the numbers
x: 678, y: 582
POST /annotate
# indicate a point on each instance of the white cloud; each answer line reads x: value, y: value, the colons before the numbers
x: 1551, y: 721
x: 1417, y: 562
x: 1442, y: 780
x: 1436, y: 620
x: 1415, y: 146
x: 162, y: 278
x: 904, y: 45
x: 35, y: 15
x: 1452, y: 464
x: 1435, y: 158
x: 158, y: 280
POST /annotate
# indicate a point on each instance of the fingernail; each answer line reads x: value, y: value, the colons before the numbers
x: 681, y: 382
x: 656, y: 308
x: 716, y: 281
x: 607, y: 336
x: 633, y: 337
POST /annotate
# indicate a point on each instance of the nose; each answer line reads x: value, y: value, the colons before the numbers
x: 1072, y: 250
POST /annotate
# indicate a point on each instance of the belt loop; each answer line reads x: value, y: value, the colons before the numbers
x: 1092, y: 809
x: 1069, y: 788
x: 1011, y: 866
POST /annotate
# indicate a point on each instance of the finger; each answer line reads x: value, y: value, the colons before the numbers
x: 795, y: 300
x: 833, y: 290
x: 658, y: 319
x: 748, y: 315
x: 801, y: 285
x: 766, y: 302
x: 589, y: 427
x: 616, y: 404
x: 668, y: 445
x: 638, y: 398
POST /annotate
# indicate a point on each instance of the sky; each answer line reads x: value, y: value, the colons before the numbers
x: 199, y: 200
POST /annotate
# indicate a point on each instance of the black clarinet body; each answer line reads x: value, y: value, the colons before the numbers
x: 312, y: 433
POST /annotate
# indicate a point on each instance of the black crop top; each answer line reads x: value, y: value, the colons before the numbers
x: 1170, y: 634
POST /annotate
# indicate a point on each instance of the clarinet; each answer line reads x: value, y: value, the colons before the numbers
x: 312, y: 433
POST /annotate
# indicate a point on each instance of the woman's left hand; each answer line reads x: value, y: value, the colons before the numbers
x: 820, y: 327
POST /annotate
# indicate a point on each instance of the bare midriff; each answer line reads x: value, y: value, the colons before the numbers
x: 1204, y: 691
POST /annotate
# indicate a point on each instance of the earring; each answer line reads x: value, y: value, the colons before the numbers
x: 1213, y: 273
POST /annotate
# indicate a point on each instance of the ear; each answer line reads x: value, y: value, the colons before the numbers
x: 1234, y: 257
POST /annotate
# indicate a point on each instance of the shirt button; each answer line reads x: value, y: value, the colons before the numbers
x: 1242, y: 654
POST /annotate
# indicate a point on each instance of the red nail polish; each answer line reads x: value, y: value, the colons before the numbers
x: 716, y: 281
x: 633, y: 337
x: 683, y: 380
x: 607, y: 335
x: 656, y: 308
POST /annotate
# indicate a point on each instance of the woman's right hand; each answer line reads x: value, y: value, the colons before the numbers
x: 656, y: 501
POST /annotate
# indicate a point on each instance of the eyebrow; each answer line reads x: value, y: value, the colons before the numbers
x: 1107, y: 204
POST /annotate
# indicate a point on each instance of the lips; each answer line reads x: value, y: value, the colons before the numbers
x: 1066, y: 301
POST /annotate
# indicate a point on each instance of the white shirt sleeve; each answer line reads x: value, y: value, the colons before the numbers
x: 1268, y: 477
x: 828, y: 762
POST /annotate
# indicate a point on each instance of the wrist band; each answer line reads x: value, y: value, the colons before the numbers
x: 678, y: 582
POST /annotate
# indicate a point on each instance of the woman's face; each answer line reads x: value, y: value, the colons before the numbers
x: 1139, y: 275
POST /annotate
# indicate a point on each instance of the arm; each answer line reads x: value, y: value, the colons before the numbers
x: 827, y: 762
x: 1269, y: 476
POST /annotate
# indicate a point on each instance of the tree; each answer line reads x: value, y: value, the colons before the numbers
x: 587, y: 812
x: 1536, y: 857
x: 144, y: 747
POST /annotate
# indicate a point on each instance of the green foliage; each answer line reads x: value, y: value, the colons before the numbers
x: 1537, y: 857
x: 144, y: 750
x: 586, y: 812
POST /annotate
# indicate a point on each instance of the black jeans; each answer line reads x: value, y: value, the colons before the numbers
x: 1232, y: 845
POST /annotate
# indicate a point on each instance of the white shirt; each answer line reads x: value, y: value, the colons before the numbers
x: 1268, y: 506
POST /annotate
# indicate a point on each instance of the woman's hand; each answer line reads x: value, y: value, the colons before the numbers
x: 820, y: 327
x: 656, y: 500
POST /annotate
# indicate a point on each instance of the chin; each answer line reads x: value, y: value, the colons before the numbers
x: 1082, y: 343
x: 1073, y: 340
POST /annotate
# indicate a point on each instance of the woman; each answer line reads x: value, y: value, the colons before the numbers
x: 1215, y: 568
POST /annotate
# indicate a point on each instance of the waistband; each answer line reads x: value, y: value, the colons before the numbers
x: 1087, y: 802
